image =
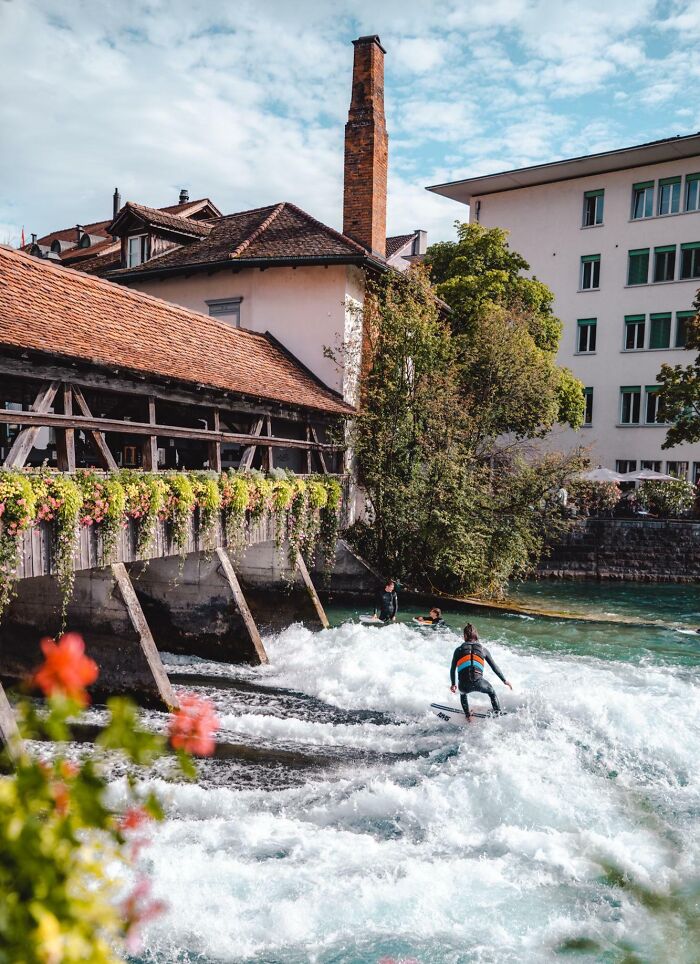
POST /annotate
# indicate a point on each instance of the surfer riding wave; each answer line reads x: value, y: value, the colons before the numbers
x: 468, y: 666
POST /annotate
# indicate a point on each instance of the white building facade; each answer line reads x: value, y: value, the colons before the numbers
x: 616, y: 236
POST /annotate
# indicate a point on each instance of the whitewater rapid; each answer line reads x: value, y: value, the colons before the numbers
x: 425, y: 841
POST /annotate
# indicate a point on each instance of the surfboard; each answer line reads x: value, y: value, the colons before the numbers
x: 369, y: 620
x: 421, y: 625
x: 453, y: 715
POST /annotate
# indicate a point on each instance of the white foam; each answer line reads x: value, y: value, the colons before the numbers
x: 509, y: 817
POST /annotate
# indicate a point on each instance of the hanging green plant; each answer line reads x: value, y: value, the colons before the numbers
x: 145, y: 498
x: 17, y: 511
x: 208, y: 502
x: 104, y: 502
x: 329, y: 522
x: 178, y: 508
x: 260, y: 490
x: 59, y: 501
x: 235, y: 498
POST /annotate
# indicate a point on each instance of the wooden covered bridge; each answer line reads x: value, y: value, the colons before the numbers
x: 94, y: 375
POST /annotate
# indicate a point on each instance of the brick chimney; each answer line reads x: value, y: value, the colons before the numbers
x: 366, y: 150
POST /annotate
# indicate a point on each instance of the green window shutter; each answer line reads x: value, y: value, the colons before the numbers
x: 660, y: 331
x: 641, y: 185
x: 587, y: 321
x: 599, y: 193
x: 652, y: 388
x: 669, y: 180
x: 590, y: 257
x: 688, y: 246
x: 692, y: 177
x: 633, y: 319
x: 630, y: 388
x: 664, y: 247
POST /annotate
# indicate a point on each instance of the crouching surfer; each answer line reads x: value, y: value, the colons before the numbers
x: 434, y: 619
x: 468, y: 663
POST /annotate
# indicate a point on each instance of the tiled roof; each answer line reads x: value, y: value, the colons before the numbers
x: 48, y: 308
x: 276, y: 232
x: 397, y: 242
x: 163, y: 219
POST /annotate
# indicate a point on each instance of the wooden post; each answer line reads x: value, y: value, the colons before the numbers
x: 270, y: 451
x: 106, y: 457
x: 249, y: 452
x: 148, y: 646
x: 65, y: 438
x: 9, y: 734
x: 24, y: 443
x: 311, y: 589
x: 241, y: 604
x: 309, y: 463
x: 150, y: 443
x: 215, y: 447
x: 320, y: 453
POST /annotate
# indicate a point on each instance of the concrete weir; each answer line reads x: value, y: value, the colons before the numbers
x: 207, y: 602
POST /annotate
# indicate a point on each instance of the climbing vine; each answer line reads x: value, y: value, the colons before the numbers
x: 305, y: 513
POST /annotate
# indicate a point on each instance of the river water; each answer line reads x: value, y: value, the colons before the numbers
x: 365, y: 829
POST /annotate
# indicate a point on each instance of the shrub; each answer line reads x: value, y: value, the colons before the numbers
x: 594, y: 498
x: 673, y: 498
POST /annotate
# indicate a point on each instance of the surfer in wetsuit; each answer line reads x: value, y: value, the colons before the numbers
x: 388, y: 603
x: 468, y: 663
x: 434, y: 619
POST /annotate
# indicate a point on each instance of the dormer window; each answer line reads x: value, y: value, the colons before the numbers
x: 56, y: 246
x: 85, y: 241
x: 137, y: 250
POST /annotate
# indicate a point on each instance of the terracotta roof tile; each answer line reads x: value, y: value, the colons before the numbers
x: 278, y: 231
x: 52, y: 309
x: 164, y: 219
x: 397, y: 242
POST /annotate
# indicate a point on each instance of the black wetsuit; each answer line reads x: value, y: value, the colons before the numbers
x: 468, y: 664
x: 435, y: 623
x: 388, y: 605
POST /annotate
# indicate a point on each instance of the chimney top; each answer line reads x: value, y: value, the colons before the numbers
x: 372, y: 38
x: 184, y: 196
x: 79, y: 230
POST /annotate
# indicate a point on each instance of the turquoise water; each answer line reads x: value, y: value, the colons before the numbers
x: 397, y: 837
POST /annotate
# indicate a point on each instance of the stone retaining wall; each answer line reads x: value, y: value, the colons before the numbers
x: 646, y: 550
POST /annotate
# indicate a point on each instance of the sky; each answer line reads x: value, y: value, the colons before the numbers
x: 245, y: 101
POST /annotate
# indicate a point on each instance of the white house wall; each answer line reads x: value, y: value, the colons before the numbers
x: 545, y: 227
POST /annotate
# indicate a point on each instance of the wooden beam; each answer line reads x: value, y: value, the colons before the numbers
x: 215, y: 447
x: 24, y: 443
x: 131, y: 383
x: 148, y: 646
x: 150, y: 443
x: 309, y: 465
x: 117, y: 425
x: 65, y: 438
x: 241, y: 604
x: 9, y: 734
x: 106, y: 457
x: 311, y: 589
x: 324, y: 467
x: 249, y: 453
x: 270, y: 456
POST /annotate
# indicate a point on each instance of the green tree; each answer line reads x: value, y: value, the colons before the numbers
x: 446, y: 507
x: 679, y: 397
x: 509, y: 332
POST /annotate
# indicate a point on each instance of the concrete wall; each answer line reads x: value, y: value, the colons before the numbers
x: 307, y: 309
x: 647, y: 551
x: 545, y: 227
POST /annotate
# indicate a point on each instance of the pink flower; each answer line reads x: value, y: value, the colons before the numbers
x: 192, y: 727
x: 137, y: 910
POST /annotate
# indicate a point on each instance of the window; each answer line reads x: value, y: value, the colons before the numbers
x: 588, y: 413
x: 677, y: 469
x: 643, y: 200
x: 590, y: 272
x: 227, y: 309
x: 650, y: 465
x: 660, y: 331
x: 638, y: 266
x: 625, y: 465
x: 690, y: 260
x: 669, y: 195
x: 586, y: 334
x: 634, y: 332
x: 692, y: 192
x: 630, y: 404
x: 682, y: 319
x: 665, y: 263
x: 136, y: 250
x: 696, y: 473
x: 593, y: 208
x: 651, y: 408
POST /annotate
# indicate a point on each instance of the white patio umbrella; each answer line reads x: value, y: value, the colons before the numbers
x: 646, y: 475
x: 602, y: 475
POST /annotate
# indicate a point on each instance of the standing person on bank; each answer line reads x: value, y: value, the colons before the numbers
x: 468, y: 663
x: 388, y: 603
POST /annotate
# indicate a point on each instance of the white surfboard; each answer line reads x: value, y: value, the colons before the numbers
x: 370, y: 620
x: 453, y: 715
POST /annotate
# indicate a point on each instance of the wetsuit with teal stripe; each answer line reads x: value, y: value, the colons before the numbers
x: 467, y: 666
